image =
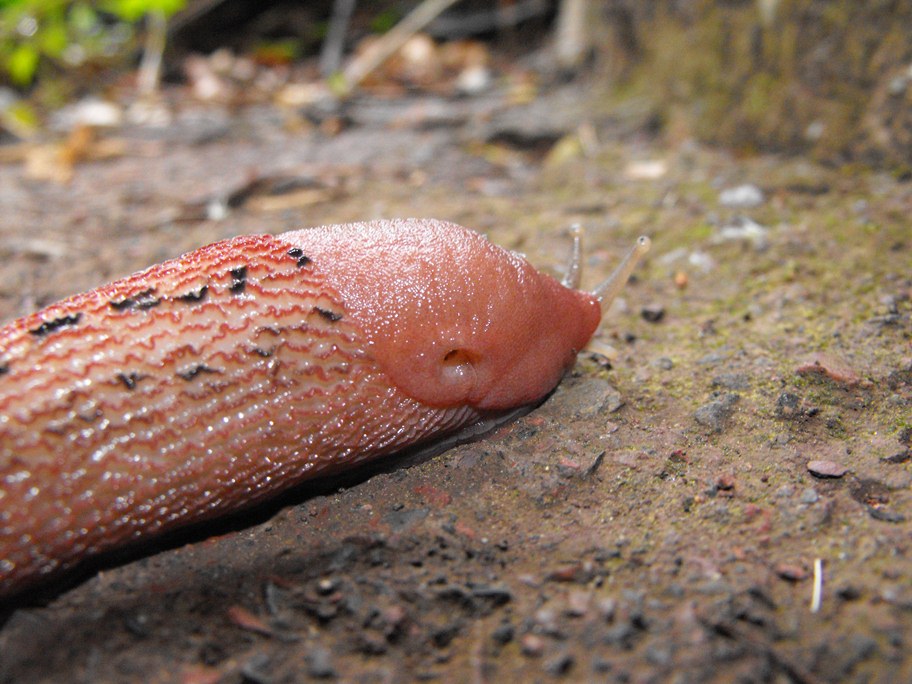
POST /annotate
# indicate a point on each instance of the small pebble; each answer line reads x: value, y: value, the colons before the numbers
x: 443, y: 636
x: 741, y: 197
x: 652, y: 313
x: 664, y: 363
x: 744, y: 229
x: 714, y: 414
x: 824, y: 469
x: 606, y: 607
x: 254, y: 670
x: 546, y: 619
x: 791, y: 572
x: 577, y: 603
x: 319, y: 664
x: 725, y: 482
x: 788, y: 406
x: 327, y: 585
x: 809, y: 496
x: 503, y: 634
x: 532, y: 645
x: 832, y: 368
x: 560, y: 665
x: 732, y: 381
x: 646, y: 169
x: 885, y: 514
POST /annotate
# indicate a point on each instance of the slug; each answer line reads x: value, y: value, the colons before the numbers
x: 210, y: 382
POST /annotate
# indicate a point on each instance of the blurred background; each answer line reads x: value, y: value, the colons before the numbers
x: 825, y: 77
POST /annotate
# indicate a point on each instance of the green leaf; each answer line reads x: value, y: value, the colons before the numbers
x: 384, y: 21
x: 22, y: 63
x: 53, y: 39
x: 134, y: 10
x: 6, y: 4
x: 83, y: 18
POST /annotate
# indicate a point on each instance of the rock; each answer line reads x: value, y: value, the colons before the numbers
x: 809, y: 496
x: 744, y: 229
x: 647, y: 169
x: 496, y: 595
x: 587, y: 399
x: 741, y: 197
x: 905, y: 436
x: 532, y: 645
x: 319, y: 664
x: 724, y: 483
x: 885, y: 514
x: 788, y: 406
x: 443, y: 636
x: 825, y: 469
x: 831, y: 368
x: 577, y: 603
x: 503, y: 634
x: 791, y: 572
x: 732, y: 381
x: 898, y: 457
x: 90, y: 111
x: 560, y: 665
x: 715, y: 413
x: 652, y: 313
x: 546, y: 620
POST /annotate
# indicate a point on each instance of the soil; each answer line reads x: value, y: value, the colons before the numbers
x: 661, y: 517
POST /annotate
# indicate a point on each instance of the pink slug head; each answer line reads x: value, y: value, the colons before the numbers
x: 452, y: 318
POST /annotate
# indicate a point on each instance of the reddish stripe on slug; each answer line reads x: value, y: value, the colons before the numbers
x: 212, y: 381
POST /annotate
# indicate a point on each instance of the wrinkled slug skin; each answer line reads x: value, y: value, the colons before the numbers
x: 212, y: 381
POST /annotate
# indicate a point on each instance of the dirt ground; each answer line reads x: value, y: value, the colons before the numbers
x: 655, y: 520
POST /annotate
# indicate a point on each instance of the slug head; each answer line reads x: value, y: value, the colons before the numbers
x: 452, y: 318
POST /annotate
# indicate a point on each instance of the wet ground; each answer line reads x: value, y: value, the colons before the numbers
x: 663, y: 517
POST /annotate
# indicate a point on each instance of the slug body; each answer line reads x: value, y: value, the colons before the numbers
x: 212, y: 381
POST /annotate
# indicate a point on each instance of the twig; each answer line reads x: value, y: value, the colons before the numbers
x: 331, y: 54
x: 394, y: 39
x: 817, y: 593
x: 150, y: 66
x: 571, y: 41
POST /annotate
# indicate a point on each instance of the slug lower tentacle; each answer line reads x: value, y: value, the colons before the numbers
x: 212, y: 381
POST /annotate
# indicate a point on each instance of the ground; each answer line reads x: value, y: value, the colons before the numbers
x: 658, y: 518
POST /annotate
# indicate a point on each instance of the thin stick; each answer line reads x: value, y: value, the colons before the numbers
x: 331, y: 54
x: 150, y: 65
x: 394, y: 39
x: 817, y: 593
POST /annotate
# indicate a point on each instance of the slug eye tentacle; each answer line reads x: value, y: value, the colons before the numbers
x: 610, y: 288
x: 573, y: 271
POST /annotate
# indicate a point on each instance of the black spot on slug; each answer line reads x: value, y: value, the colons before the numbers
x: 130, y: 379
x: 264, y: 353
x: 193, y: 297
x: 4, y: 368
x: 298, y: 253
x: 56, y: 324
x: 238, y: 279
x: 141, y: 301
x: 330, y: 316
x: 193, y: 371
